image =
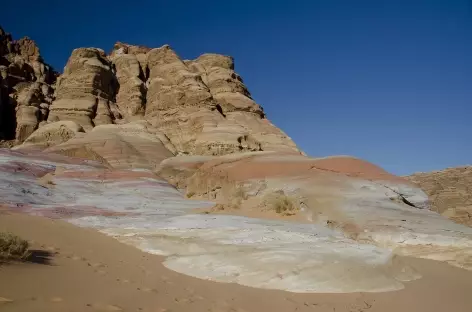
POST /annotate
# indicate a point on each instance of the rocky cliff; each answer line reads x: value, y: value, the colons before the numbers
x: 450, y: 191
x: 26, y: 90
x: 196, y: 106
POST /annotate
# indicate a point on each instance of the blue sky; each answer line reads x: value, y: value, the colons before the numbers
x: 387, y: 81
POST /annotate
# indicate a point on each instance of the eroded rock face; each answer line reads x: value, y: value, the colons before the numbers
x: 450, y: 191
x: 130, y: 65
x: 25, y: 88
x: 205, y: 109
x: 85, y: 92
x: 202, y: 106
x: 52, y: 134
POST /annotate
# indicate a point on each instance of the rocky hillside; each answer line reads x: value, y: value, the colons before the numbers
x: 196, y: 106
x: 450, y: 192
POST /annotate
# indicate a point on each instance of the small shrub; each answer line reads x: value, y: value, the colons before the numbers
x: 283, y: 204
x: 12, y: 247
x: 190, y: 194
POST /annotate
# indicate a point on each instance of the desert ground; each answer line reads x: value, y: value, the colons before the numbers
x: 79, y: 269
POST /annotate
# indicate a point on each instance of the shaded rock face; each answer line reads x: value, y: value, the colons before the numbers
x: 450, y: 191
x: 26, y: 90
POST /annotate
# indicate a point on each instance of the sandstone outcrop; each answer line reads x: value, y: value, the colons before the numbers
x: 130, y: 65
x: 450, y: 191
x: 25, y: 88
x: 131, y: 145
x: 85, y: 92
x: 52, y: 134
x: 201, y: 106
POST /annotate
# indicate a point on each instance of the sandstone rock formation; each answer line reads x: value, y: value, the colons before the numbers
x: 52, y: 134
x: 450, y: 191
x: 131, y: 145
x: 130, y: 64
x: 25, y: 88
x: 85, y: 92
x: 202, y: 106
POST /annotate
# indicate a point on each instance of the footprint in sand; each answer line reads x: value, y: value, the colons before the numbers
x: 224, y: 306
x: 166, y: 280
x: 360, y: 307
x: 96, y: 265
x: 124, y: 281
x: 147, y: 289
x: 104, y: 307
x: 77, y: 258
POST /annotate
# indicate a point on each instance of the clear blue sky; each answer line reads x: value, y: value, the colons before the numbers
x: 387, y: 81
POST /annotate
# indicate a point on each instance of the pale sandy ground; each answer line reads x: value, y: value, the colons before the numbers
x: 89, y: 271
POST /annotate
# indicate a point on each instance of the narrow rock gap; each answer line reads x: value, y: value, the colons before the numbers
x: 220, y: 110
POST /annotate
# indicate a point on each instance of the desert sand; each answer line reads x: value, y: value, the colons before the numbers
x: 79, y: 269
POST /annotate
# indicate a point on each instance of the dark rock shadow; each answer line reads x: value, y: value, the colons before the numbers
x: 39, y: 257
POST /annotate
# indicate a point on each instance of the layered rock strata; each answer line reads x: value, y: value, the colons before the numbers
x: 450, y: 191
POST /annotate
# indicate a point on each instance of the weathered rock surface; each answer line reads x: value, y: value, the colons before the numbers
x: 213, y: 118
x: 202, y: 106
x: 450, y: 191
x: 130, y: 65
x: 351, y: 246
x: 25, y: 88
x: 349, y: 195
x: 131, y: 145
x: 52, y: 134
x: 85, y: 92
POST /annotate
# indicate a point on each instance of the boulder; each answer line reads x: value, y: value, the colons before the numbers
x: 52, y: 134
